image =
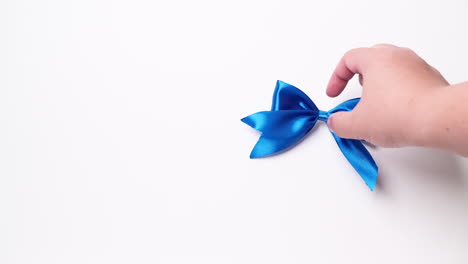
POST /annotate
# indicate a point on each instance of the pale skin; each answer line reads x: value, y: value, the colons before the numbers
x: 405, y: 101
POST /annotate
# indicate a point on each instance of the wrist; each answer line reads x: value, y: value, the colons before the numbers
x: 423, y: 119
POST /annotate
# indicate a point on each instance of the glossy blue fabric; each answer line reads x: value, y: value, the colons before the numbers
x: 292, y: 116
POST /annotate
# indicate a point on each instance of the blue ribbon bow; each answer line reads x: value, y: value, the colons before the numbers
x: 292, y: 116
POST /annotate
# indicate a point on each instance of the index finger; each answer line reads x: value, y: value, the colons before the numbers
x: 350, y: 64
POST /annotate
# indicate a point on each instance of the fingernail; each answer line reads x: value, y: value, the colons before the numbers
x: 330, y: 123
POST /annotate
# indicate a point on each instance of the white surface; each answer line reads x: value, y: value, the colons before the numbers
x: 120, y: 139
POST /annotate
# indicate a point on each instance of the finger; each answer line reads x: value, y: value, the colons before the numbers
x: 346, y: 125
x: 351, y: 63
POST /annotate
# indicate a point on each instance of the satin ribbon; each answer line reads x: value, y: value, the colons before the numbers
x: 292, y: 116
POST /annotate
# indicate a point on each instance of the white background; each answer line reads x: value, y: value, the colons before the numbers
x: 120, y: 139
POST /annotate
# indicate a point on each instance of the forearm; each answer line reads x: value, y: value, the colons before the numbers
x: 441, y: 120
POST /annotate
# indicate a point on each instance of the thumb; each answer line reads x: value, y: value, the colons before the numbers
x: 344, y: 125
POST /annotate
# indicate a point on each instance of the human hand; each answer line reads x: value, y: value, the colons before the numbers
x: 396, y: 86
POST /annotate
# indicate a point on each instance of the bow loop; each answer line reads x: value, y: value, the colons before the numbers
x: 292, y: 116
x: 288, y: 97
x: 345, y: 106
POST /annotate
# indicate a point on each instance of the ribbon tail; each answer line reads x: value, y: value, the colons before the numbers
x: 280, y: 129
x: 360, y: 159
x: 267, y: 146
